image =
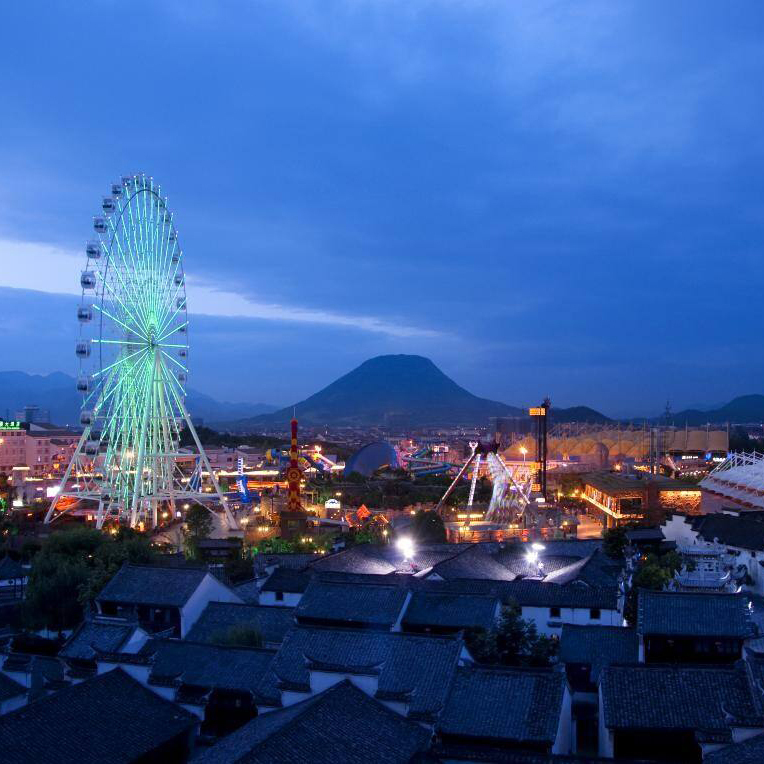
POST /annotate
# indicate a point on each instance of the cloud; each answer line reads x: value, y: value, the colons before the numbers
x: 54, y: 270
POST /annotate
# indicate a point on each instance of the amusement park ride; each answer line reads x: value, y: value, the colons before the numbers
x: 133, y: 351
x: 510, y: 496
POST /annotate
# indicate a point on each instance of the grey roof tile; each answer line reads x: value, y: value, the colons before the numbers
x: 414, y: 668
x: 105, y: 635
x: 451, y: 611
x: 287, y: 580
x: 598, y: 646
x: 694, y: 614
x: 508, y: 704
x: 147, y: 584
x: 342, y: 725
x: 375, y: 605
x: 219, y: 617
x: 703, y: 698
x: 77, y: 725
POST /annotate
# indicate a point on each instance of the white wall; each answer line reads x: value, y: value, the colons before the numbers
x: 563, y: 742
x: 549, y: 626
x: 291, y: 599
x: 209, y: 590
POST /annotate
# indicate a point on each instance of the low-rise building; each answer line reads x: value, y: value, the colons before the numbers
x: 162, y: 599
x: 692, y: 627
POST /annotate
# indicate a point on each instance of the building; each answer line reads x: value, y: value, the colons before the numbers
x: 692, y: 627
x: 110, y: 717
x: 675, y: 713
x: 525, y: 709
x: 638, y: 497
x: 220, y: 619
x: 341, y: 724
x: 162, y: 599
x: 39, y: 449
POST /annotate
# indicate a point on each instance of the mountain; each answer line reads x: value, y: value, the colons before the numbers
x: 741, y: 410
x: 390, y: 390
x: 577, y: 414
x: 55, y: 393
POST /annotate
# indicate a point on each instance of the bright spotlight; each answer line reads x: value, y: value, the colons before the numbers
x: 405, y: 546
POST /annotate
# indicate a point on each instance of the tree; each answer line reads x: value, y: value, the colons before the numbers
x: 427, y: 527
x: 654, y: 573
x: 70, y: 570
x: 198, y: 527
x: 614, y: 542
x: 241, y: 635
x: 513, y: 642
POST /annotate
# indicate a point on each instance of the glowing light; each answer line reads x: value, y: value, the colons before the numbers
x: 406, y: 547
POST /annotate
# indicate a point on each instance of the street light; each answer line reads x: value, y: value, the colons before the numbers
x: 523, y: 451
x: 406, y: 547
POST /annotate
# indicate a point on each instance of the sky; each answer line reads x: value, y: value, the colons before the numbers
x: 545, y: 198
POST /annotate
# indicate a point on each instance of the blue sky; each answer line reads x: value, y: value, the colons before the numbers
x: 559, y: 198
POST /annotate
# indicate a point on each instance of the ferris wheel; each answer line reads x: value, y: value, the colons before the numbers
x: 133, y: 352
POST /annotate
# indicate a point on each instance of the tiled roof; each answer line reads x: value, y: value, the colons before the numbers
x: 342, y: 725
x: 209, y: 666
x: 414, y: 668
x: 708, y: 699
x: 11, y: 569
x: 474, y: 562
x: 694, y: 614
x: 517, y: 704
x: 743, y: 532
x: 598, y: 646
x: 219, y: 617
x: 105, y: 635
x: 296, y: 561
x: 531, y: 593
x: 358, y: 559
x: 287, y: 580
x: 248, y: 591
x: 748, y: 752
x: 10, y: 688
x: 111, y: 717
x: 375, y: 604
x: 146, y: 584
x: 600, y: 570
x: 453, y: 611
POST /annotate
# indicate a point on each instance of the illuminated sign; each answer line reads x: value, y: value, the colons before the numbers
x: 10, y: 425
x: 537, y: 411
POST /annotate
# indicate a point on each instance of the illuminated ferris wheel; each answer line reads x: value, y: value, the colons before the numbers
x: 133, y: 353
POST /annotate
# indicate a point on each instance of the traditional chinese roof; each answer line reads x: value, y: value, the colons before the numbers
x: 748, y: 752
x: 450, y: 611
x: 219, y: 617
x: 508, y: 704
x: 743, y: 532
x: 342, y: 725
x: 97, y: 635
x: 694, y: 614
x: 415, y: 669
x: 88, y: 724
x: 153, y: 585
x: 708, y: 699
x: 209, y: 666
x: 375, y: 605
x: 598, y: 646
x: 287, y: 580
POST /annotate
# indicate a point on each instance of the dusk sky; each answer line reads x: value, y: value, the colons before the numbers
x: 544, y: 198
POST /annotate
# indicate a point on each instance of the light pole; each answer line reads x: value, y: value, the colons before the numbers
x: 523, y: 451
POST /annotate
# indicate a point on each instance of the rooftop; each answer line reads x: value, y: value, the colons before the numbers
x: 219, y: 617
x: 450, y: 611
x: 708, y: 698
x: 598, y: 646
x: 148, y: 584
x: 342, y: 725
x: 97, y: 635
x: 287, y: 580
x: 694, y: 614
x: 615, y: 483
x: 209, y: 666
x: 375, y: 605
x: 415, y: 669
x: 743, y: 531
x: 77, y: 725
x: 508, y: 704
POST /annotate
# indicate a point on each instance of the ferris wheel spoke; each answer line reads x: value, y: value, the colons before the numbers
x: 133, y: 328
x: 120, y: 361
x: 172, y: 331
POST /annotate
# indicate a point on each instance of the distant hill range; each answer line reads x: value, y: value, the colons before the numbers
x: 399, y: 390
x: 56, y: 394
x: 741, y: 410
